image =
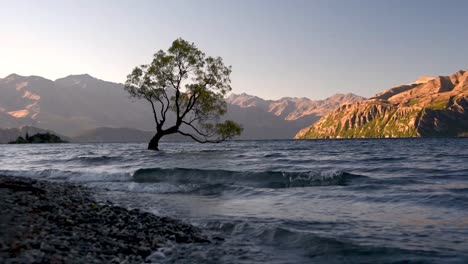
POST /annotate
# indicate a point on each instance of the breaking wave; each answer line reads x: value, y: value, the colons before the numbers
x: 182, y: 180
x: 262, y: 179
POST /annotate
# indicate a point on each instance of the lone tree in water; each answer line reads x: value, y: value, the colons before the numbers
x: 185, y: 81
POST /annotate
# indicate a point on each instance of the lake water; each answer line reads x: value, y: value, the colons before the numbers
x: 318, y: 201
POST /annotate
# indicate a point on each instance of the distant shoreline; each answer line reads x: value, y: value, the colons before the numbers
x: 247, y: 140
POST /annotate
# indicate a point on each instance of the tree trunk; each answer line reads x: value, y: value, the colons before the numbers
x: 154, y: 143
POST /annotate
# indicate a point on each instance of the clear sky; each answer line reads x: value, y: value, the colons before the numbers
x: 277, y: 48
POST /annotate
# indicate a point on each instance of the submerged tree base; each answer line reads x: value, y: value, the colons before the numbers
x: 153, y: 147
x: 154, y: 142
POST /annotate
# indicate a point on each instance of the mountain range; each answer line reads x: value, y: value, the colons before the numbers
x: 87, y: 109
x: 429, y: 107
x: 280, y: 119
x: 68, y: 105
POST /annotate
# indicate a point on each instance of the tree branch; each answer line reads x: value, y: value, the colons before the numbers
x: 163, y: 113
x: 196, y: 130
x: 194, y: 119
x: 182, y: 72
x: 190, y: 104
x: 168, y: 103
x: 154, y: 111
x: 201, y: 141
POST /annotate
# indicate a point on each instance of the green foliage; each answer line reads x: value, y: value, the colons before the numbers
x: 190, y: 84
x: 412, y: 102
x: 228, y: 129
x: 439, y: 104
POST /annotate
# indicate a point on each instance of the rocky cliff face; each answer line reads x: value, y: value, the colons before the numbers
x: 427, y: 108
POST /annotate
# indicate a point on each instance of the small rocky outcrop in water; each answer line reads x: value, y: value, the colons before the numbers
x: 43, y: 222
x: 430, y: 107
x: 38, y: 138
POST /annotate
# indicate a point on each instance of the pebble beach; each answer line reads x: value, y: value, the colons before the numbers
x: 48, y: 222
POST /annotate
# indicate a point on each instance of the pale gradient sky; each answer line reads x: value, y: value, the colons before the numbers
x: 277, y: 48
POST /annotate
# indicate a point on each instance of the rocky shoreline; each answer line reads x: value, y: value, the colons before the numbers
x: 48, y: 222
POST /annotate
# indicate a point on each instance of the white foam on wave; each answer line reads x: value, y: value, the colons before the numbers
x: 330, y: 177
x: 156, y: 188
